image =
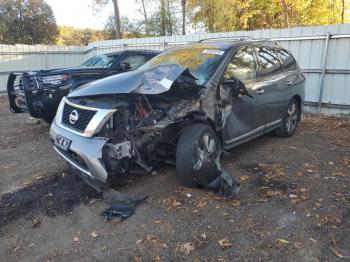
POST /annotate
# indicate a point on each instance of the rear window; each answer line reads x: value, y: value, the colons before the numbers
x: 288, y: 61
x: 268, y: 60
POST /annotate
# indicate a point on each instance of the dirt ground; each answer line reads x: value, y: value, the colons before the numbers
x: 293, y: 205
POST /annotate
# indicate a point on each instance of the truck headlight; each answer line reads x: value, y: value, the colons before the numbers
x: 55, y: 79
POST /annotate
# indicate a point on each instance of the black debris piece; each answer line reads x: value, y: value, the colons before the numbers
x: 225, y: 185
x: 121, y: 206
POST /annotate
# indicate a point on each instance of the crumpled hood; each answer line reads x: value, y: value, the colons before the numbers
x: 155, y: 80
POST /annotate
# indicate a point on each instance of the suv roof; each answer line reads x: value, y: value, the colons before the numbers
x: 134, y: 50
x: 228, y: 42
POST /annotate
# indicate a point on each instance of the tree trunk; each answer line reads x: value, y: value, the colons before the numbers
x: 285, y: 13
x: 342, y: 11
x: 183, y: 2
x: 170, y: 24
x: 145, y: 17
x: 162, y: 18
x: 118, y: 33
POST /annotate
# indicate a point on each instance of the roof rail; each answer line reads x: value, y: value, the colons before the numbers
x: 229, y: 38
x: 238, y: 38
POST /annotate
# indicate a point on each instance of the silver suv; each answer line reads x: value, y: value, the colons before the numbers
x: 185, y: 105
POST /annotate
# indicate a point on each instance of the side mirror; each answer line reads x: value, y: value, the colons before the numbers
x: 125, y: 66
x: 237, y: 88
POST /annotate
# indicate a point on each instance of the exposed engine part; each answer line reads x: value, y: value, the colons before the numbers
x: 118, y: 151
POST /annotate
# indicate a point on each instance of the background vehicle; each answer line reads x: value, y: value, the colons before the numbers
x: 186, y: 104
x: 39, y: 92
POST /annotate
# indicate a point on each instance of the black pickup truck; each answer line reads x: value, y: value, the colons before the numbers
x: 40, y: 92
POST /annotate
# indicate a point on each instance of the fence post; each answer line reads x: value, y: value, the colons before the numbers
x: 323, y: 74
x: 45, y: 57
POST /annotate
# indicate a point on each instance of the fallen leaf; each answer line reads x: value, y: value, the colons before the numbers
x: 187, y: 248
x: 283, y: 241
x: 201, y: 204
x: 236, y: 203
x: 139, y: 241
x: 76, y: 239
x: 243, y: 178
x: 336, y: 252
x: 273, y: 193
x: 138, y: 259
x: 293, y: 196
x: 157, y: 258
x: 225, y: 243
x: 204, y: 236
x: 28, y: 183
x: 176, y: 203
x: 94, y: 234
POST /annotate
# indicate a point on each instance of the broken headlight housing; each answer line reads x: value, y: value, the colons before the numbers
x: 55, y: 79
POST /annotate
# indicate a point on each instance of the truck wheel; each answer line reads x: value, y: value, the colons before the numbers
x: 196, y: 149
x: 290, y: 120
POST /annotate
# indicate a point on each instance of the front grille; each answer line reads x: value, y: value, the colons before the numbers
x: 18, y: 83
x: 83, y: 119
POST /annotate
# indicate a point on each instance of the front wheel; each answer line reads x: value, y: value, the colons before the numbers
x: 290, y: 120
x: 196, y: 151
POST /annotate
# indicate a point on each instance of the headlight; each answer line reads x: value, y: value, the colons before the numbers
x: 55, y: 79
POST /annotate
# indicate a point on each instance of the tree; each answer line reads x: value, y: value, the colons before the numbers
x: 233, y: 15
x: 145, y: 15
x: 81, y: 37
x: 27, y: 22
x: 128, y: 29
x: 183, y: 5
x: 117, y: 21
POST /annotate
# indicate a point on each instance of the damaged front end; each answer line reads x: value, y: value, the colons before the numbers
x: 102, y: 133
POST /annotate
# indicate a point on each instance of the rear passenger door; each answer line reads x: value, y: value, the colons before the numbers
x: 291, y: 78
x: 271, y: 84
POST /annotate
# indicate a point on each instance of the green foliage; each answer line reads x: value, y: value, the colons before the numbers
x: 73, y: 36
x: 233, y: 15
x: 27, y: 22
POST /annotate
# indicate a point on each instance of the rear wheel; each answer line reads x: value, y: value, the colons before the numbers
x: 290, y: 120
x: 197, y: 147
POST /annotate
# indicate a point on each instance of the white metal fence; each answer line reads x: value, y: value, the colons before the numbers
x: 323, y: 53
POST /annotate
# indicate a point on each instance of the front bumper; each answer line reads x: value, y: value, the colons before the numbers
x: 26, y: 95
x: 84, y: 153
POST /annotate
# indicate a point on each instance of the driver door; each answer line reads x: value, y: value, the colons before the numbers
x: 241, y: 116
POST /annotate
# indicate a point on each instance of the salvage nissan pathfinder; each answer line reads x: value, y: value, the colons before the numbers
x: 186, y: 105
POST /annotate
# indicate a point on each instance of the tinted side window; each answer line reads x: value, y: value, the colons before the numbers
x: 288, y: 61
x: 268, y: 61
x: 242, y: 65
x: 135, y: 61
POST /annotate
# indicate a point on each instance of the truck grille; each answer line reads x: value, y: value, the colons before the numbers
x: 82, y: 120
x: 18, y: 83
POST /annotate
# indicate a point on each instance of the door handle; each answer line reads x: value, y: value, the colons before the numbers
x: 260, y: 91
